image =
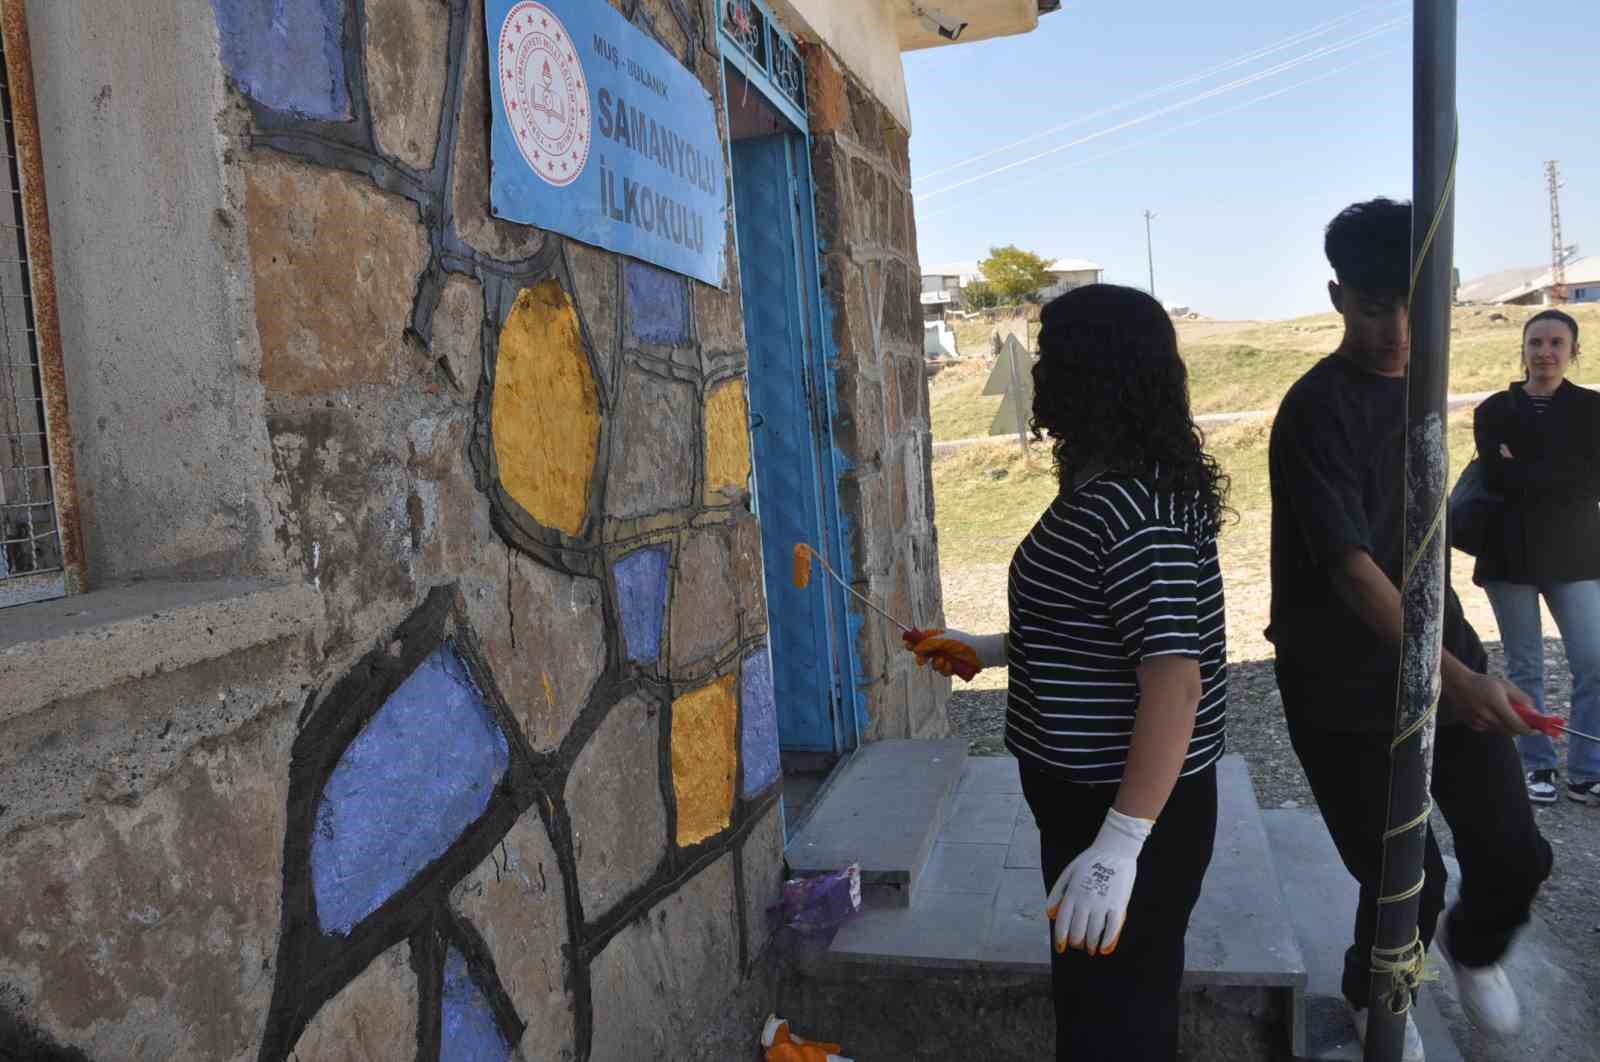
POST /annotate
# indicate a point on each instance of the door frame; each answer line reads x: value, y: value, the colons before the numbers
x: 770, y: 61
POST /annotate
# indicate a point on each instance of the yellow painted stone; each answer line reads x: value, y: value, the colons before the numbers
x: 727, y: 442
x: 704, y: 739
x: 546, y: 412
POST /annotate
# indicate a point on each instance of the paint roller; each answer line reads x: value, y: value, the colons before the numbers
x: 804, y: 555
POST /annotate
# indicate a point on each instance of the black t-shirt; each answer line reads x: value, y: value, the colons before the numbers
x: 1338, y: 483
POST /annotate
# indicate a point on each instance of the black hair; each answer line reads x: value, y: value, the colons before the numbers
x: 1553, y: 315
x: 1369, y: 246
x: 1111, y: 391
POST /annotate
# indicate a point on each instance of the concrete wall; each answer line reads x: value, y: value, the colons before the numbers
x: 421, y: 697
x: 164, y: 383
x: 871, y: 286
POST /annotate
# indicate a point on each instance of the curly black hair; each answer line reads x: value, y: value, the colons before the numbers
x: 1111, y: 391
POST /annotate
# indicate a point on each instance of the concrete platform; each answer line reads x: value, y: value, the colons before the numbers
x: 979, y: 904
x: 884, y: 810
x: 1322, y: 905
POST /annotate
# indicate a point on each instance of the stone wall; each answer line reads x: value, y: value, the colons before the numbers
x: 423, y: 697
x: 871, y: 283
x: 480, y: 759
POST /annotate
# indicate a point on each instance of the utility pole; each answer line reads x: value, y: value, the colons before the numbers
x: 1397, y: 958
x: 1150, y: 252
x: 1558, y: 248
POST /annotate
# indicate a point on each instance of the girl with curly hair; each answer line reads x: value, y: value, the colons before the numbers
x: 1118, y: 669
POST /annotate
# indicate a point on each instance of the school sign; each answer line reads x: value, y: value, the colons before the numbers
x: 603, y: 135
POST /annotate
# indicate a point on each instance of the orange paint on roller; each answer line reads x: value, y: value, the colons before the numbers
x: 802, y: 565
x: 964, y: 664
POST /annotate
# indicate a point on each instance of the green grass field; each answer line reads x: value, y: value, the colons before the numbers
x: 1248, y: 365
x: 987, y: 496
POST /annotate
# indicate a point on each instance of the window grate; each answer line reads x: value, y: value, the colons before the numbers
x: 774, y: 52
x: 32, y: 559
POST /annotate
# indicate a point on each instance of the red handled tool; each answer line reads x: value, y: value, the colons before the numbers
x: 1549, y: 725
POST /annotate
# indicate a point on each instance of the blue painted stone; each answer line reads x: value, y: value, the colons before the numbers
x: 642, y: 594
x: 758, y: 741
x: 287, y: 54
x: 469, y: 1032
x: 658, y: 305
x: 418, y: 774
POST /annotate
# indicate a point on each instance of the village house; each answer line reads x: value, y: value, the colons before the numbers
x: 942, y: 284
x: 411, y: 410
x: 1534, y: 286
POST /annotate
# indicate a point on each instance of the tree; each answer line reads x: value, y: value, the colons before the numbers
x: 980, y: 295
x: 1015, y: 274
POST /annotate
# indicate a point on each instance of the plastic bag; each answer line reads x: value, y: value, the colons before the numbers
x: 823, y: 903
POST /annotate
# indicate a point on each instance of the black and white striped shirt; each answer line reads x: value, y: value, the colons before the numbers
x: 1540, y: 402
x: 1111, y: 575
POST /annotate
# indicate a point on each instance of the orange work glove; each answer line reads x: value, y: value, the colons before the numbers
x: 948, y: 655
x: 784, y: 1046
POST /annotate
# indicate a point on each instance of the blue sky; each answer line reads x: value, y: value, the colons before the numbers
x: 1241, y: 198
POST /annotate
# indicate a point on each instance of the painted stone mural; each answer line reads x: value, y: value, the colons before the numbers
x: 546, y: 410
x: 758, y: 748
x: 288, y: 54
x: 498, y: 843
x: 406, y: 776
x: 642, y: 595
x: 433, y: 744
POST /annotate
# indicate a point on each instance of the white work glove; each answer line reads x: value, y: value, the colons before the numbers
x: 1089, y: 902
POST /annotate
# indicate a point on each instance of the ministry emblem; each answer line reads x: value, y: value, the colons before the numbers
x: 545, y: 93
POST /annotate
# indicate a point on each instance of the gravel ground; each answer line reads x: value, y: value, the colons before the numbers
x: 1569, y: 903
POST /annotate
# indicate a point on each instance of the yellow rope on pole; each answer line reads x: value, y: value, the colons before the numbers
x: 1422, y: 721
x: 1433, y: 529
x: 1406, y: 967
x: 1413, y: 824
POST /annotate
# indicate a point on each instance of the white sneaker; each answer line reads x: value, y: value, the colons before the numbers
x: 1485, y: 992
x: 1413, y: 1048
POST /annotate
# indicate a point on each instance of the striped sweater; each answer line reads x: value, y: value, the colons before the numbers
x: 1111, y: 575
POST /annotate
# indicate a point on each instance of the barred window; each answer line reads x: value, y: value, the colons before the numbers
x: 38, y: 548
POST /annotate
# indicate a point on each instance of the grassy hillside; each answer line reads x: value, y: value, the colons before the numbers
x: 987, y: 497
x: 1248, y: 365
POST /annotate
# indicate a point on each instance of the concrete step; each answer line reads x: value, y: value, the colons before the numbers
x: 1322, y: 906
x: 980, y: 906
x: 883, y: 811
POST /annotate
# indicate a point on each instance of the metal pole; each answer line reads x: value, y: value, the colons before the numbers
x: 1396, y: 954
x: 1150, y: 253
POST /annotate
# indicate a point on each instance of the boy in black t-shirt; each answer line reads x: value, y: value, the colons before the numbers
x: 1338, y: 496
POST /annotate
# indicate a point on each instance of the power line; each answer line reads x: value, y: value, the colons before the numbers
x: 1238, y: 83
x: 1172, y: 86
x: 945, y: 211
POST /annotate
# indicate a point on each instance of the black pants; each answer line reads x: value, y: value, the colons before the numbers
x: 1123, y: 1007
x: 1477, y: 785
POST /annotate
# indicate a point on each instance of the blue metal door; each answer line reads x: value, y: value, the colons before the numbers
x: 793, y: 486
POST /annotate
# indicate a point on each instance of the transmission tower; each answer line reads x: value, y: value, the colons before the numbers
x: 1558, y: 248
